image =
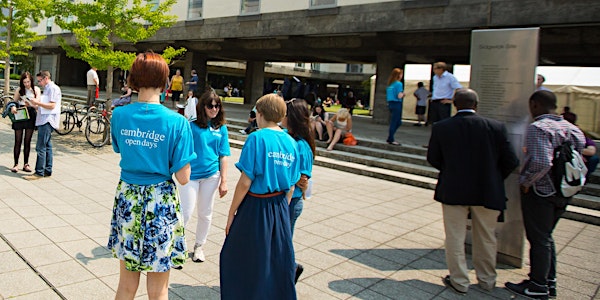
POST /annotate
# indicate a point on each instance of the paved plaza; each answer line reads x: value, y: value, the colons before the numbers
x: 358, y: 237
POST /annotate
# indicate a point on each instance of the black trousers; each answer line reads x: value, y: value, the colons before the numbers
x: 438, y: 111
x: 540, y: 215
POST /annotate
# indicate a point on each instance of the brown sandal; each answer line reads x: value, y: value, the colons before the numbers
x: 14, y: 169
x: 26, y: 168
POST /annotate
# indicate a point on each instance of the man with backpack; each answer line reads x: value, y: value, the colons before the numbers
x: 542, y: 201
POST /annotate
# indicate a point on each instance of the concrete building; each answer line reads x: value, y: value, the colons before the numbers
x: 380, y: 33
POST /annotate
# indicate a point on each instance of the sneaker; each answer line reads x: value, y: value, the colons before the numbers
x: 178, y: 267
x: 299, y: 270
x: 448, y: 283
x: 552, y: 288
x: 198, y: 254
x: 242, y: 131
x: 34, y: 176
x: 529, y: 289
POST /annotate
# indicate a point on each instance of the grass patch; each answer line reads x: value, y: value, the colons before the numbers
x: 331, y: 109
x: 356, y: 111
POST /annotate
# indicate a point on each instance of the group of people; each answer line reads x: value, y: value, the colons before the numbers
x: 474, y: 157
x: 149, y: 215
x: 40, y: 111
x: 440, y: 105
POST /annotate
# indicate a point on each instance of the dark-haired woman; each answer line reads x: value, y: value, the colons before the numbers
x: 209, y: 169
x: 154, y: 142
x: 297, y: 122
x: 24, y: 129
x: 319, y: 120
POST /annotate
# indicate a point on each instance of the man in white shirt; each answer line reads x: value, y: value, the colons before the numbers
x: 444, y: 85
x: 92, y: 83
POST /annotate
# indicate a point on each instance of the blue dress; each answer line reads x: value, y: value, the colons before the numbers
x: 257, y: 259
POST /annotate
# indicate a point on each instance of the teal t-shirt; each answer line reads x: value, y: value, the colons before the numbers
x: 270, y: 159
x: 154, y: 142
x: 209, y: 144
x: 306, y: 163
x: 393, y: 90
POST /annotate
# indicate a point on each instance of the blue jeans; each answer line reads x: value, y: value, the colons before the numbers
x: 395, y: 119
x: 296, y: 207
x: 43, y: 165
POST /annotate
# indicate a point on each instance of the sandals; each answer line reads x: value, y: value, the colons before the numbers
x: 26, y: 168
x: 14, y: 169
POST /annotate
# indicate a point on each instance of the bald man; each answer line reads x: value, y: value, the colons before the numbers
x: 474, y: 157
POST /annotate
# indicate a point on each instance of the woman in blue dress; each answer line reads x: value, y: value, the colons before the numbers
x: 257, y: 259
x: 297, y: 122
x: 395, y: 97
x: 154, y: 142
x: 209, y: 169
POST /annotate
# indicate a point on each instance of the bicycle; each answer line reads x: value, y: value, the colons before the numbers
x: 97, y: 130
x: 69, y: 117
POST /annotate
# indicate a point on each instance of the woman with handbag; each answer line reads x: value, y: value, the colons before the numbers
x: 24, y: 128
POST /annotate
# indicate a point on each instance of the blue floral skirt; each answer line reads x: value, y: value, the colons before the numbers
x: 147, y: 227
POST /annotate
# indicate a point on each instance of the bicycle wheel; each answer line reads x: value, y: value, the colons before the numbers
x: 97, y: 132
x: 66, y: 124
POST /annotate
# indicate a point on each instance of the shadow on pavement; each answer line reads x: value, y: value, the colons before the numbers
x: 195, y: 292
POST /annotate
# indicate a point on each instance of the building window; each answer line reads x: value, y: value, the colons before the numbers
x: 322, y: 3
x: 354, y: 68
x: 299, y: 65
x: 49, y: 23
x: 315, y: 66
x: 154, y: 4
x: 195, y: 9
x: 250, y: 7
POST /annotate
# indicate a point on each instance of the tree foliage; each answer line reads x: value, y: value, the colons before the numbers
x: 17, y: 38
x: 99, y: 25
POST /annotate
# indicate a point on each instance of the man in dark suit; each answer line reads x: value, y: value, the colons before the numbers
x: 474, y: 157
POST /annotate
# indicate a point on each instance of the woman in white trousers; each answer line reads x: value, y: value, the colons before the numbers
x: 209, y: 169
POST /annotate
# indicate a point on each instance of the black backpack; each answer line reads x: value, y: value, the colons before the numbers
x: 568, y: 170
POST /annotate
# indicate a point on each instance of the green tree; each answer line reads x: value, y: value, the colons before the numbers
x: 16, y: 18
x: 99, y: 25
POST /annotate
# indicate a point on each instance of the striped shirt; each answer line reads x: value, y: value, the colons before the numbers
x: 543, y: 135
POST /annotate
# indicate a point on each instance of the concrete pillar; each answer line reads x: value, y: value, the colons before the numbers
x: 254, y: 81
x: 386, y: 61
x: 195, y: 61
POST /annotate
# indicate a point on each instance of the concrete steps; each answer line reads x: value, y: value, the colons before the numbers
x: 408, y: 165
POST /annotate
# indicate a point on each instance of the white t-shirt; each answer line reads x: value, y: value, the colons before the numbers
x: 92, y: 77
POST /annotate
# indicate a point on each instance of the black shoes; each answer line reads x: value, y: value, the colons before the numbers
x: 299, y: 270
x: 448, y: 283
x: 552, y: 288
x: 529, y: 289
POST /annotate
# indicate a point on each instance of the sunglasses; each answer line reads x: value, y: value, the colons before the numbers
x: 210, y: 106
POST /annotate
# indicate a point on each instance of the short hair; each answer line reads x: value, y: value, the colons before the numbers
x: 343, y: 113
x: 440, y: 64
x: 543, y: 78
x: 272, y: 107
x: 201, y: 118
x: 44, y: 74
x: 466, y: 98
x: 149, y: 70
x: 567, y: 109
x: 545, y: 99
x: 420, y: 84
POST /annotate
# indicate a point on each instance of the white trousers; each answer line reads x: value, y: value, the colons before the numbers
x: 484, y: 223
x: 199, y: 192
